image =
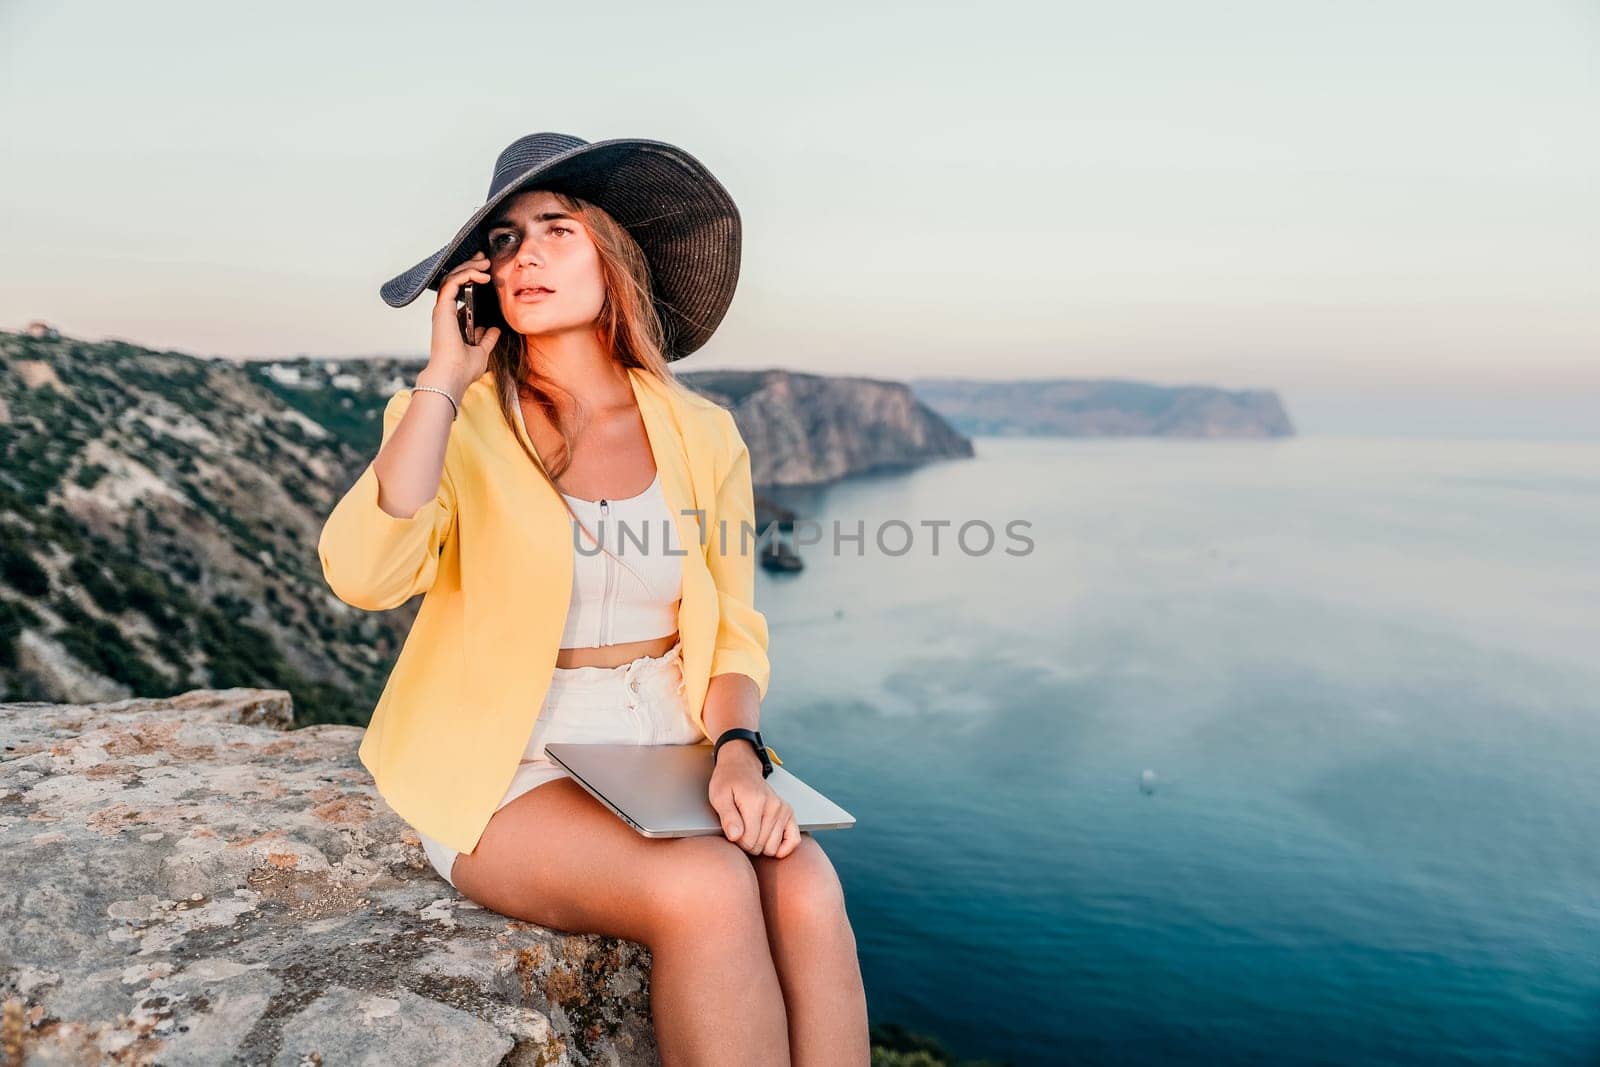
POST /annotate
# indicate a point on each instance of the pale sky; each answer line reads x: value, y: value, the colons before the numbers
x: 1336, y: 200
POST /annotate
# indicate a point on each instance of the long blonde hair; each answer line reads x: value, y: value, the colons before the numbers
x: 628, y: 326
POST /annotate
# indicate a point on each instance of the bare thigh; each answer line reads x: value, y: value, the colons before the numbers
x: 558, y: 857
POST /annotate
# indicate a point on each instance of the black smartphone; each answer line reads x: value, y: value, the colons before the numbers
x: 465, y: 313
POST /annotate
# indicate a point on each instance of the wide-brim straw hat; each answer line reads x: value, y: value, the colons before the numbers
x: 682, y: 218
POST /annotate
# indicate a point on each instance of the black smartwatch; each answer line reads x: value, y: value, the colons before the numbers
x: 753, y: 736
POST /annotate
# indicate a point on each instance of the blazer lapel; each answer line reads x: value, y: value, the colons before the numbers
x: 671, y: 441
x: 666, y: 444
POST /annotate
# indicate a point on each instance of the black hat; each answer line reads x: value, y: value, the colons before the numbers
x: 682, y: 218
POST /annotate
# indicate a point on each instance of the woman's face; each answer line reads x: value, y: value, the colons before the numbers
x: 533, y: 242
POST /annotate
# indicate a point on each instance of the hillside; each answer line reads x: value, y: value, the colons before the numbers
x: 159, y: 512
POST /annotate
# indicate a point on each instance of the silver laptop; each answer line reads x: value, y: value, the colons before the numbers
x: 660, y: 790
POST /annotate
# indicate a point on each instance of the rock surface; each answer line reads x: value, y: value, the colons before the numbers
x: 188, y: 880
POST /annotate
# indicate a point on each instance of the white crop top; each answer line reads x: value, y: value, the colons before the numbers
x: 634, y: 596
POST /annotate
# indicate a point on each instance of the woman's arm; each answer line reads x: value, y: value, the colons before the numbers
x: 733, y: 700
x: 741, y: 646
x: 752, y: 814
x: 380, y: 546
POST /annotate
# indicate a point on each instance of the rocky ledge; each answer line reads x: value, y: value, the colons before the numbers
x: 188, y: 880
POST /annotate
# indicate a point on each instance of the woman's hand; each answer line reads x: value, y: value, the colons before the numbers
x: 753, y: 815
x: 449, y: 351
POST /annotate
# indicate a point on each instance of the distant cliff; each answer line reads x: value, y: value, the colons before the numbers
x: 808, y: 428
x: 1068, y: 407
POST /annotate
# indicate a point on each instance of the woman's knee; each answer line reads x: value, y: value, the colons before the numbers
x: 801, y: 893
x: 710, y: 876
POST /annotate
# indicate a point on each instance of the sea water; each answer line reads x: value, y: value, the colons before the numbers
x: 1259, y: 751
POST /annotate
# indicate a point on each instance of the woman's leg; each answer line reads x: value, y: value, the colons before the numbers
x: 557, y: 857
x: 814, y: 949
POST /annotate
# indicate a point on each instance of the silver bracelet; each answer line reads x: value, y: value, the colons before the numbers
x: 444, y: 394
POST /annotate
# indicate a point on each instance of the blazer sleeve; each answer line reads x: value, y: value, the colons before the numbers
x: 731, y: 550
x: 374, y: 560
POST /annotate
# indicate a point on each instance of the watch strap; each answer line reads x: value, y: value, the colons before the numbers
x: 740, y: 733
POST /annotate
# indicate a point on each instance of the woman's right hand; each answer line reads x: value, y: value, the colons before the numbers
x: 450, y: 356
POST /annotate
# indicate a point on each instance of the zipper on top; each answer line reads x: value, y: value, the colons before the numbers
x: 605, y: 599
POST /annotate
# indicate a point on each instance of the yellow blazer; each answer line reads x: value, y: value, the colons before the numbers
x: 493, y: 554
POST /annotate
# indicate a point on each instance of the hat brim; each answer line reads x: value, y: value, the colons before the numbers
x: 683, y: 219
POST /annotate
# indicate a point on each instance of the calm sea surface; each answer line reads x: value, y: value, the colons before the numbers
x: 1266, y: 751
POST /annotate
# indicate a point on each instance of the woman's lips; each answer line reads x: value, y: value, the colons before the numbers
x: 530, y: 296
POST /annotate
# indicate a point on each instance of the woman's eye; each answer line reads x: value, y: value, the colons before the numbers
x: 502, y: 241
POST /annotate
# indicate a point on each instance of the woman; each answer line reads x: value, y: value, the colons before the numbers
x: 506, y: 481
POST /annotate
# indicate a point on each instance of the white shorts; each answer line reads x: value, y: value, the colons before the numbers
x: 638, y: 703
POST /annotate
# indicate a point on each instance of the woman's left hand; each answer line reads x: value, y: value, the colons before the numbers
x: 753, y: 815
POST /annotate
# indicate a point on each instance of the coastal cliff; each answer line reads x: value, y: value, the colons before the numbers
x: 159, y: 512
x: 804, y: 429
